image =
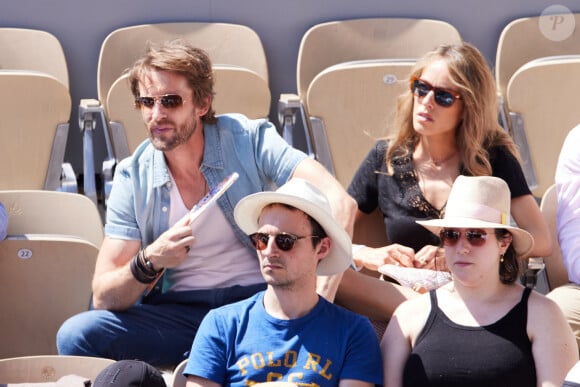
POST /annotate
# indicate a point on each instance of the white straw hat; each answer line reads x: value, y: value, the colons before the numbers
x: 480, y: 202
x: 304, y: 196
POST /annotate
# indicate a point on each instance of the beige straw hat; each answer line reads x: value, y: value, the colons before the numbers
x: 306, y: 197
x: 480, y: 202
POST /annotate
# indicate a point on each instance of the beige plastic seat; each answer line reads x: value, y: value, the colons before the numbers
x: 241, y: 81
x: 45, y: 280
x: 178, y: 380
x: 543, y: 107
x: 529, y: 38
x: 50, y: 368
x: 555, y: 269
x: 350, y: 106
x: 34, y: 121
x: 52, y: 212
x: 34, y: 50
x: 331, y: 43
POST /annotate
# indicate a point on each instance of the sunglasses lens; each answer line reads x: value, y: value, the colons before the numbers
x: 144, y: 101
x: 449, y: 237
x: 171, y: 101
x: 259, y: 240
x: 476, y: 238
x: 444, y: 98
x: 285, y: 242
x: 421, y: 89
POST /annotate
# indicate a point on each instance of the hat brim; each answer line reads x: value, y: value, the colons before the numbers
x: 522, y: 240
x: 339, y: 257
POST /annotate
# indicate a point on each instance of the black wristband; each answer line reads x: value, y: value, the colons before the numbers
x: 138, y: 273
x: 149, y: 264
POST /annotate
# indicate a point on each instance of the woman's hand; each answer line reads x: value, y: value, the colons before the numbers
x: 395, y: 254
x: 431, y: 257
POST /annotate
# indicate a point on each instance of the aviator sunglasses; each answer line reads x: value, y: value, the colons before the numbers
x: 450, y: 236
x: 443, y: 97
x: 284, y: 241
x: 168, y: 101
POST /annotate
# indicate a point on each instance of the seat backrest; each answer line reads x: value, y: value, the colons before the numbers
x: 237, y: 90
x: 178, y: 380
x: 45, y: 280
x: 32, y: 115
x: 52, y: 212
x: 330, y: 43
x: 525, y: 39
x: 50, y: 368
x: 229, y: 44
x: 546, y: 120
x: 355, y: 103
x: 35, y: 50
x: 555, y: 269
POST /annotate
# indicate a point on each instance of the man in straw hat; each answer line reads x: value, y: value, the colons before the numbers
x: 483, y: 328
x: 288, y: 332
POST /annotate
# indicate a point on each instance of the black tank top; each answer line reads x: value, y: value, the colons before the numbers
x: 448, y: 354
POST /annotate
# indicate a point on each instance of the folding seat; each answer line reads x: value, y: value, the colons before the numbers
x: 45, y: 280
x: 529, y: 38
x: 34, y: 113
x: 54, y: 213
x: 332, y: 43
x: 521, y: 41
x: 51, y: 368
x: 241, y: 82
x: 543, y: 107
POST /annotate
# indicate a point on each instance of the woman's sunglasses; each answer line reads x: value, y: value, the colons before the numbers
x: 284, y: 241
x: 450, y: 236
x: 443, y: 97
x: 168, y: 101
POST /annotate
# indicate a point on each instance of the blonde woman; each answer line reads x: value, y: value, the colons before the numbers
x: 446, y: 126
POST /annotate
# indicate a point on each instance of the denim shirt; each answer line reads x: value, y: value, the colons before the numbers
x: 138, y: 206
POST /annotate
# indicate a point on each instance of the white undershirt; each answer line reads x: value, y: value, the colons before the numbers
x: 217, y: 258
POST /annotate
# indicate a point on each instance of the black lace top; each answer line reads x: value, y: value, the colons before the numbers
x: 400, y: 199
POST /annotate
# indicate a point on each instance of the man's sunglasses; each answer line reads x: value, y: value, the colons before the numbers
x: 168, y: 101
x: 443, y: 97
x: 450, y: 236
x: 284, y: 241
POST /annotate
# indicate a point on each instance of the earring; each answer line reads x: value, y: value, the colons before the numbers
x: 501, y: 258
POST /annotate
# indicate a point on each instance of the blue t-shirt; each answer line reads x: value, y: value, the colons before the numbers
x: 241, y: 344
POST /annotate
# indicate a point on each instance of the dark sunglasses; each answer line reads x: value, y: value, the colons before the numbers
x: 443, y: 97
x: 284, y: 241
x: 450, y: 236
x: 168, y: 101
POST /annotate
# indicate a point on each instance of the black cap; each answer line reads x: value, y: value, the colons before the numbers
x: 129, y: 373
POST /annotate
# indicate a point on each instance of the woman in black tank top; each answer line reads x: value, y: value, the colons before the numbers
x: 475, y: 331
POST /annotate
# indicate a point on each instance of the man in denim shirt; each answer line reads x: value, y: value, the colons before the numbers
x: 206, y: 263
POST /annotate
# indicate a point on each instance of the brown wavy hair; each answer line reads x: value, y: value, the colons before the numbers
x: 180, y: 57
x: 479, y: 130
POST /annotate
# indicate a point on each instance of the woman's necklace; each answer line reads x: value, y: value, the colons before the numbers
x: 439, y: 163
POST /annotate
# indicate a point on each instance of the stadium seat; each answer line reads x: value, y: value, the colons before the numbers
x: 332, y: 43
x: 543, y: 107
x: 241, y: 82
x: 50, y: 368
x: 34, y: 121
x: 33, y: 50
x: 525, y: 39
x: 51, y: 212
x: 45, y: 280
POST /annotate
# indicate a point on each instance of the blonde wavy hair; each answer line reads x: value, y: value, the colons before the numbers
x: 479, y: 129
